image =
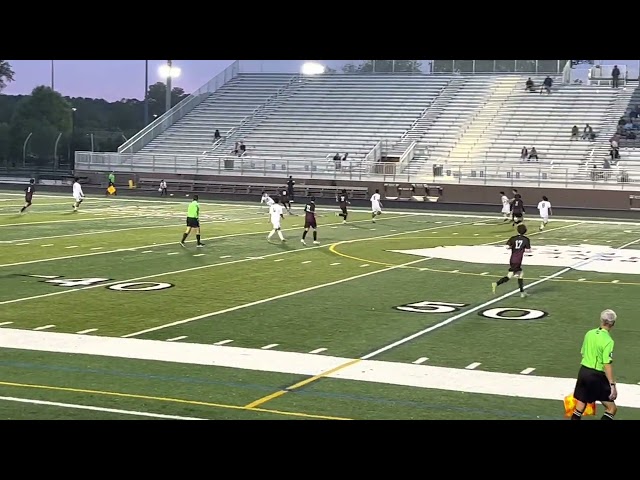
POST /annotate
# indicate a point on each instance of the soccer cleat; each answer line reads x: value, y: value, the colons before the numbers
x: 200, y: 245
x: 344, y: 221
x: 283, y: 240
x: 524, y: 294
x: 315, y: 242
x: 303, y: 242
x: 183, y: 245
x: 494, y: 285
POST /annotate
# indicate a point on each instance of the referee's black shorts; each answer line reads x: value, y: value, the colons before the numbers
x: 592, y: 386
x: 193, y: 222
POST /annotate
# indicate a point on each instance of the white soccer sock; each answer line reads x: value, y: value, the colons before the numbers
x: 280, y: 235
x: 271, y: 234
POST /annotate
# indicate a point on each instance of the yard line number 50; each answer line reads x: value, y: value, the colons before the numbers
x: 118, y: 287
x: 500, y: 313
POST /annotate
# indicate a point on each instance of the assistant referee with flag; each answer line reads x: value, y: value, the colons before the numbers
x: 596, y: 382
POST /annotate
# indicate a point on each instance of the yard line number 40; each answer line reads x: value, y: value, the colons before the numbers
x: 118, y: 287
x: 500, y: 313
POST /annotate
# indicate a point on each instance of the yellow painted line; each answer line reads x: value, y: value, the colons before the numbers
x: 307, y: 381
x: 171, y: 400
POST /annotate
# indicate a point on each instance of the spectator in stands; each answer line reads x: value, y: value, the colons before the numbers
x: 546, y: 85
x: 336, y: 161
x: 633, y: 114
x: 529, y: 86
x: 614, y: 152
x: 236, y: 149
x: 533, y: 153
x: 243, y: 149
x: 586, y: 134
x: 216, y: 135
x: 575, y: 131
x: 524, y: 153
x: 163, y: 188
x: 622, y: 122
x: 615, y: 75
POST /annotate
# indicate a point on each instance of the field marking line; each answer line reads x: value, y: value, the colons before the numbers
x: 96, y: 219
x: 133, y: 249
x: 284, y: 295
x: 279, y: 393
x: 174, y: 272
x: 168, y: 400
x: 97, y: 409
x: 486, y: 304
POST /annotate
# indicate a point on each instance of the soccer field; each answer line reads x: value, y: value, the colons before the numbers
x: 103, y: 314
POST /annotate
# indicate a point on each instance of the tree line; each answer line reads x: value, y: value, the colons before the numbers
x: 45, y: 128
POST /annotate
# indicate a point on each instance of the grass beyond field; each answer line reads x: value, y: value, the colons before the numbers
x: 105, y: 315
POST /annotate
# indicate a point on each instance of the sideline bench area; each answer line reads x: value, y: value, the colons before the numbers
x: 250, y: 189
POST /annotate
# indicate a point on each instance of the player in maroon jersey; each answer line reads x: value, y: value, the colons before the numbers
x: 310, y: 221
x: 519, y: 245
x: 28, y: 195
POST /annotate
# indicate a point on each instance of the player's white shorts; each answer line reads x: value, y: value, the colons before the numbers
x: 545, y: 218
x: 506, y: 209
x: 375, y: 207
x: 276, y: 225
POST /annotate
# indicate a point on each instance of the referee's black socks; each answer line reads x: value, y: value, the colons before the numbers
x: 606, y: 416
x: 576, y: 415
x: 198, y: 239
x: 521, y: 284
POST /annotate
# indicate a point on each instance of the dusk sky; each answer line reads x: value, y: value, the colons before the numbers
x: 116, y: 79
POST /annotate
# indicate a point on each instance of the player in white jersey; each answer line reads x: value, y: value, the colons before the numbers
x: 506, y: 206
x: 376, y: 205
x: 78, y: 194
x: 266, y: 200
x: 276, y: 214
x: 545, y: 211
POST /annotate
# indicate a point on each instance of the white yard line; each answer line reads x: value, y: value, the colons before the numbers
x: 315, y: 287
x: 308, y: 364
x: 192, y: 269
x: 485, y: 304
x: 96, y: 409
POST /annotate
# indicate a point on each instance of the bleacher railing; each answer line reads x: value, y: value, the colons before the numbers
x: 496, y: 173
x: 163, y: 122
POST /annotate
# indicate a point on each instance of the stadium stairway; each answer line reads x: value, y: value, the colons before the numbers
x: 338, y: 113
x: 224, y: 109
x: 630, y: 149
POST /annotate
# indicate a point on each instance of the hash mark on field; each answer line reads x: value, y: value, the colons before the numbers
x: 334, y: 227
x: 172, y: 253
x: 97, y: 248
x: 225, y: 256
x: 628, y: 231
x: 456, y: 233
x: 148, y: 251
x: 476, y: 234
x: 223, y: 342
x: 609, y: 241
x: 18, y: 244
x: 393, y: 230
x: 199, y: 254
x: 438, y: 222
x: 473, y: 366
x: 527, y: 371
x: 564, y: 239
x: 353, y: 228
x: 89, y: 330
x: 72, y: 246
x: 420, y: 360
x: 455, y: 271
x: 336, y: 263
x: 307, y: 261
x: 44, y: 327
x: 279, y: 260
x: 364, y: 265
x: 5, y: 323
x: 581, y: 279
x: 484, y: 273
x: 318, y: 350
x: 615, y: 281
x: 176, y: 338
x: 271, y: 345
x: 47, y: 245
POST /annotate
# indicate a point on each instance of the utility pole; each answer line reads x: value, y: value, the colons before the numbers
x: 52, y: 76
x: 168, y: 97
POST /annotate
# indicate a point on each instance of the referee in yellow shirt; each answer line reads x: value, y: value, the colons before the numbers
x: 596, y: 382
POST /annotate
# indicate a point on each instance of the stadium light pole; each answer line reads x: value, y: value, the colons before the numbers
x: 52, y: 76
x: 146, y: 93
x: 168, y: 71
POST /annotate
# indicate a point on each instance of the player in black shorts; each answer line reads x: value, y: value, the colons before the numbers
x: 517, y: 210
x: 310, y: 221
x: 519, y: 244
x: 284, y: 199
x: 28, y: 195
x: 343, y: 201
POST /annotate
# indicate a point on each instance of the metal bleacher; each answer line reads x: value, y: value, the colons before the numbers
x: 630, y: 148
x: 530, y: 119
x: 223, y: 110
x: 328, y: 114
